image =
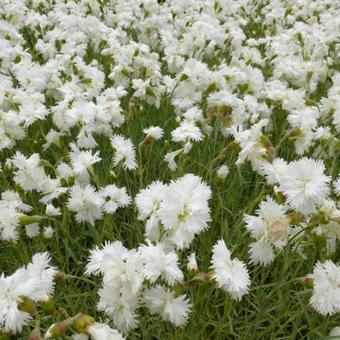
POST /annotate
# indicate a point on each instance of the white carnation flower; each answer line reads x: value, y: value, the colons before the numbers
x: 230, y: 275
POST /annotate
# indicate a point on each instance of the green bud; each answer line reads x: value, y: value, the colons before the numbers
x: 184, y: 77
x: 279, y: 197
x: 71, y: 181
x: 294, y: 133
x: 25, y: 219
x: 7, y: 169
x: 63, y: 182
x: 266, y: 142
x: 48, y: 307
x: 310, y: 102
x: 288, y: 11
x: 86, y: 81
x: 108, y: 235
x: 295, y: 218
x: 309, y: 76
x: 25, y: 304
x: 298, y: 37
x: 60, y: 276
x: 212, y: 87
x: 149, y: 91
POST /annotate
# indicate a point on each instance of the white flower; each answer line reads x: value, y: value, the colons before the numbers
x: 120, y: 303
x: 187, y: 131
x: 102, y: 331
x: 86, y: 203
x: 124, y: 152
x: 35, y: 281
x: 29, y: 173
x: 162, y: 301
x: 10, y: 129
x: 305, y: 185
x: 231, y: 275
x: 335, y: 333
x: 252, y: 147
x: 155, y: 132
x: 326, y: 288
x: 11, y: 207
x: 192, y: 263
x: 157, y: 262
x: 222, y: 172
x: 118, y: 264
x: 148, y: 202
x: 52, y: 136
x: 32, y: 230
x: 51, y: 210
x: 270, y: 228
x: 80, y: 337
x: 48, y: 232
x: 114, y: 198
x: 122, y: 282
x: 170, y: 159
x: 273, y: 171
x: 261, y: 252
x: 185, y: 211
x: 82, y: 160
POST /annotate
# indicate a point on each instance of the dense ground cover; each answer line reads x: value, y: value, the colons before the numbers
x: 171, y: 169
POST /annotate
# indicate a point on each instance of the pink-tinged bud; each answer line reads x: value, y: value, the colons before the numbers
x: 59, y: 328
x: 35, y: 335
x: 307, y: 281
x: 203, y: 277
x: 82, y: 322
x: 147, y: 140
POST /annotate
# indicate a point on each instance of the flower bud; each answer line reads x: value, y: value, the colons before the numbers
x: 59, y: 328
x: 307, y: 281
x: 82, y: 322
x: 26, y: 219
x: 25, y: 304
x: 48, y: 307
x: 35, y: 335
